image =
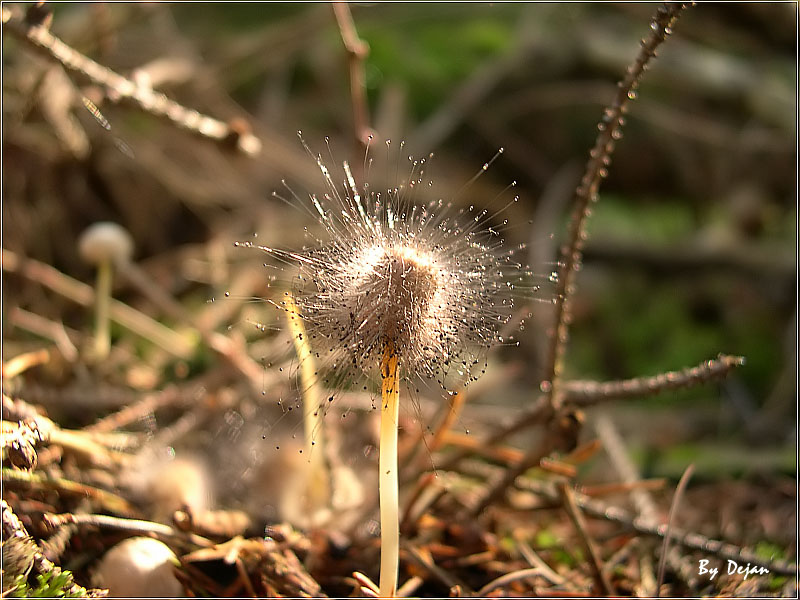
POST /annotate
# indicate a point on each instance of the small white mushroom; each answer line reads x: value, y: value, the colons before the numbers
x: 104, y: 245
x: 139, y: 567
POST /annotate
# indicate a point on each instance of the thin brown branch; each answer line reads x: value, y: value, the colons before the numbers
x: 586, y: 393
x: 538, y: 413
x: 535, y: 560
x: 609, y: 489
x: 560, y: 435
x: 596, y: 170
x: 235, y: 133
x: 506, y: 579
x: 673, y: 509
x: 130, y: 525
x: 623, y: 464
x: 357, y: 52
x: 64, y: 339
x: 573, y: 511
x: 18, y: 410
x: 22, y: 362
x: 642, y: 501
x: 424, y: 560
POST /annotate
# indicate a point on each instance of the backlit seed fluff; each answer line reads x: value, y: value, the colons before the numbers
x: 437, y: 285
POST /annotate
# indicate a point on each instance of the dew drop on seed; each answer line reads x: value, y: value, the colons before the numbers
x: 545, y: 386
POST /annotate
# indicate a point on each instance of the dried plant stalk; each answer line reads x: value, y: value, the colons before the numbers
x: 596, y: 170
x: 318, y: 480
x: 357, y: 50
x: 585, y: 393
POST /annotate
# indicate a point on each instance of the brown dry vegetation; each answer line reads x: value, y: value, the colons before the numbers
x: 191, y: 424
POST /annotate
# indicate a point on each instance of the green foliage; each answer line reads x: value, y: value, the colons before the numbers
x: 432, y: 65
x: 46, y: 585
x: 771, y: 551
x: 658, y: 222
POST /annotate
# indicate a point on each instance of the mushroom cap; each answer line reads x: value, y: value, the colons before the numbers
x: 139, y: 567
x: 105, y: 241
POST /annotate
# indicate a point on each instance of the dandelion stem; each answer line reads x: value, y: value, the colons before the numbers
x: 318, y: 485
x: 390, y: 529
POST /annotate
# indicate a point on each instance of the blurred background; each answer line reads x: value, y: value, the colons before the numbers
x: 692, y: 246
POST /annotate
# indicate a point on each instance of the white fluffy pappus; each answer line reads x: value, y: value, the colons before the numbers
x: 435, y: 282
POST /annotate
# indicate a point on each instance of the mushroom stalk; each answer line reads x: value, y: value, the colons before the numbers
x: 389, y: 495
x: 102, y: 328
x: 105, y: 245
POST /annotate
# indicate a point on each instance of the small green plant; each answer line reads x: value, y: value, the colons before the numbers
x: 45, y: 585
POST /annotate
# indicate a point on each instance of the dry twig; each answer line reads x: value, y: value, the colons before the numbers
x: 504, y: 580
x: 586, y: 393
x: 235, y: 133
x: 679, y: 491
x: 596, y: 170
x: 357, y: 51
x: 131, y: 525
x: 568, y: 499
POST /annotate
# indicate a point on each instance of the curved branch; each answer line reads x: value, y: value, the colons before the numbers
x: 36, y: 34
